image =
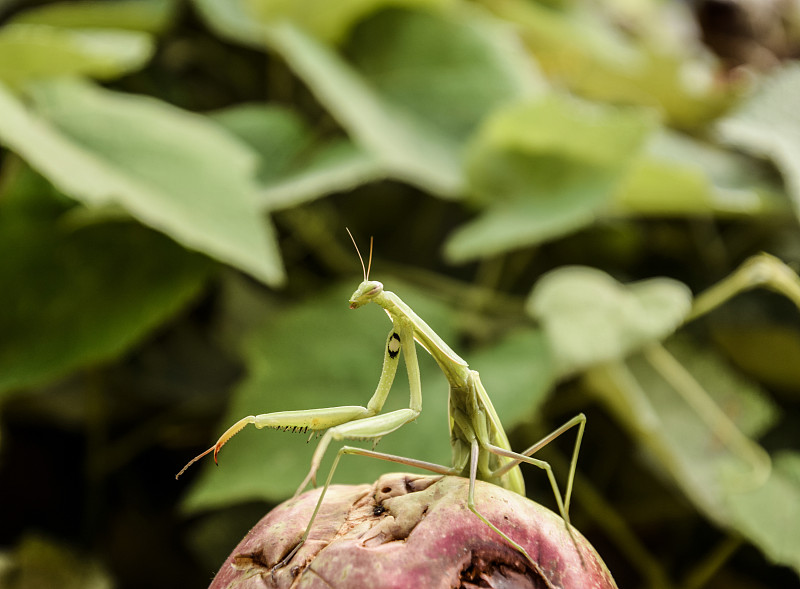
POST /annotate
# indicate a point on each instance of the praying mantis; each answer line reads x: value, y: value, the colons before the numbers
x: 480, y: 447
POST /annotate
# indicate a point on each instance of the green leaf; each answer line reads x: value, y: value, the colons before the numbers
x: 172, y: 170
x: 335, y: 166
x: 646, y: 62
x: 544, y: 168
x: 768, y: 125
x: 405, y: 147
x: 575, y: 130
x: 591, y: 318
x: 149, y: 16
x: 448, y: 69
x: 510, y: 225
x: 406, y: 120
x: 296, y: 165
x: 234, y: 20
x: 30, y: 52
x: 768, y: 516
x: 327, y: 21
x: 75, y: 299
x: 678, y: 175
x: 719, y: 469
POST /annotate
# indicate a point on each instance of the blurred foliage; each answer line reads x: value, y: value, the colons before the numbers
x: 574, y: 194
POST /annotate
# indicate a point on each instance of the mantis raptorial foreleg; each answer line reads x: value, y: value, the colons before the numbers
x: 350, y: 421
x: 301, y: 421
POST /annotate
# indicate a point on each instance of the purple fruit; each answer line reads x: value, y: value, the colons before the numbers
x: 413, y: 531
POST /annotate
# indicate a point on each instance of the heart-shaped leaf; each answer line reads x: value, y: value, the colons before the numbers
x: 544, y: 168
x: 591, y: 318
x: 172, y: 170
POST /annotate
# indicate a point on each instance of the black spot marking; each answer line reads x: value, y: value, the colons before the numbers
x: 393, y: 347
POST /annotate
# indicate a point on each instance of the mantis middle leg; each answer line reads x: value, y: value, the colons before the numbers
x: 563, y: 503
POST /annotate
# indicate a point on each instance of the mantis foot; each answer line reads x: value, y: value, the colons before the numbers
x: 286, y: 559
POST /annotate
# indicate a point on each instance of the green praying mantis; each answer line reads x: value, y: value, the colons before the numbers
x: 480, y: 447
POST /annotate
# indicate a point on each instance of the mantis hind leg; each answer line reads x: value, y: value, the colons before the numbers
x: 516, y: 458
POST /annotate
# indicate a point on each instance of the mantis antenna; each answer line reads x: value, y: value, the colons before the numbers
x: 369, y: 261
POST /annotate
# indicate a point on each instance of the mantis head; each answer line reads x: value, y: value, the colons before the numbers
x: 369, y: 289
x: 365, y: 293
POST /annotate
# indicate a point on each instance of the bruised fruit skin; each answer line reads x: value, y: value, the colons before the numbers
x: 410, y: 530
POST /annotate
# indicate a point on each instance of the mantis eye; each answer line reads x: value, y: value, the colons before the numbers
x: 377, y: 288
